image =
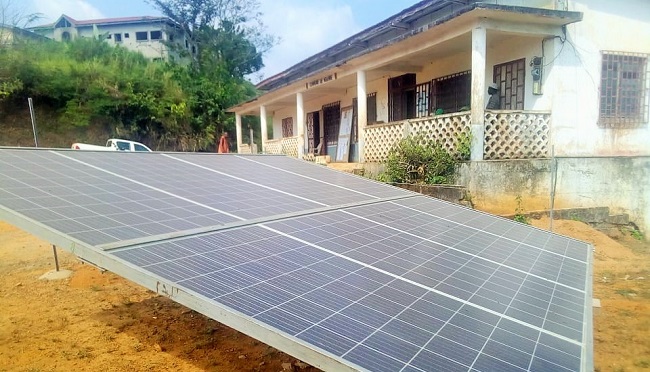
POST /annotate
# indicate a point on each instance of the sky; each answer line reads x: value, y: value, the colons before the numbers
x: 305, y: 27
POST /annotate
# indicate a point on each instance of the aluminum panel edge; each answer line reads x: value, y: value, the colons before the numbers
x: 317, y: 358
x: 588, y: 323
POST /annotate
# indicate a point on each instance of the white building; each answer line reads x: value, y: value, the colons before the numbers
x: 150, y: 36
x: 10, y: 35
x: 573, y: 78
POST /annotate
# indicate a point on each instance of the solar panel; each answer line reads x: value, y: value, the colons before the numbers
x: 340, y: 271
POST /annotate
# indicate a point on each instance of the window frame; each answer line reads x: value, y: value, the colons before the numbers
x: 138, y: 35
x: 287, y: 127
x: 158, y: 33
x: 451, y: 100
x: 613, y: 111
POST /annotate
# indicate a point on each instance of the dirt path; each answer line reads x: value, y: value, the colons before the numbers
x: 100, y: 322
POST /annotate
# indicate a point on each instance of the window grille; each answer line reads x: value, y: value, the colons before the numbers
x: 623, y: 90
x: 422, y: 99
x: 287, y: 127
x: 511, y: 79
x: 332, y: 122
x: 372, y: 108
x: 451, y: 93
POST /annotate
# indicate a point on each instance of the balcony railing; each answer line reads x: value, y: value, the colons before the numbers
x: 449, y: 130
x: 282, y: 146
x: 508, y: 134
x: 516, y: 135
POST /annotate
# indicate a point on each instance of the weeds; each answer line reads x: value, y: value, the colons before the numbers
x: 636, y: 234
x: 643, y: 363
x: 464, y: 145
x: 519, y: 212
x: 626, y: 292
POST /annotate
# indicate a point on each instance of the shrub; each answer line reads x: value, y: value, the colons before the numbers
x: 417, y: 160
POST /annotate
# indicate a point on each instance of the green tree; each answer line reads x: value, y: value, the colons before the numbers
x: 206, y: 22
x: 230, y: 40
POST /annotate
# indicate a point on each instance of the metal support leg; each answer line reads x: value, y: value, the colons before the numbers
x: 56, y: 257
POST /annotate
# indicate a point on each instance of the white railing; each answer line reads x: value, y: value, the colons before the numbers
x: 449, y: 130
x: 282, y: 146
x: 516, y: 135
x: 509, y: 134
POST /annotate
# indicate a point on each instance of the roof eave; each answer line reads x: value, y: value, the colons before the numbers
x: 267, y: 85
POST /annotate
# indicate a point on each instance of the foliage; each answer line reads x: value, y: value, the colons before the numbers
x: 230, y: 33
x: 165, y: 105
x: 636, y: 234
x: 8, y: 86
x: 417, y: 160
x: 464, y: 145
x: 520, y: 215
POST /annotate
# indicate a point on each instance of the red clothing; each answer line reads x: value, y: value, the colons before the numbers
x: 223, y: 145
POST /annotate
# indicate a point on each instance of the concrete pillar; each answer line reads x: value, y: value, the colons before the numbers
x: 239, y: 135
x: 479, y: 42
x: 300, y: 121
x: 263, y: 127
x: 362, y: 112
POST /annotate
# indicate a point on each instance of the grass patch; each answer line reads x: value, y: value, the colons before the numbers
x: 626, y: 292
x: 643, y: 363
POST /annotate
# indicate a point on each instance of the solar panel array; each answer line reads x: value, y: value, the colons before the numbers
x: 367, y: 275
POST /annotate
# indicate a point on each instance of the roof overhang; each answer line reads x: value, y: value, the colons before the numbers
x: 107, y: 22
x: 417, y: 32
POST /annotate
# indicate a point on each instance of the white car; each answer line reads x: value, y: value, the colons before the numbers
x: 113, y: 144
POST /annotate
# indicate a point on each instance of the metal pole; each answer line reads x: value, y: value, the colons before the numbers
x: 553, y: 183
x: 56, y: 257
x: 31, y: 113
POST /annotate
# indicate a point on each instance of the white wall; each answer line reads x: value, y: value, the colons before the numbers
x: 619, y: 183
x: 574, y: 79
x: 150, y: 48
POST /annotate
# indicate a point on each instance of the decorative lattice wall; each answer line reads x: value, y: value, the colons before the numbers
x: 447, y: 130
x: 284, y: 146
x: 290, y: 146
x: 380, y: 138
x: 516, y: 135
x: 245, y: 148
x: 273, y: 147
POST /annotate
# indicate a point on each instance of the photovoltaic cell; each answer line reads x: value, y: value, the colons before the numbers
x: 373, y: 276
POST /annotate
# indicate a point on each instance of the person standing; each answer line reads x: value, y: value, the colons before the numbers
x: 494, y: 103
x: 223, y: 147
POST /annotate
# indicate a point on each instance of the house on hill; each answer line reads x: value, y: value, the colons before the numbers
x: 567, y: 88
x: 157, y: 38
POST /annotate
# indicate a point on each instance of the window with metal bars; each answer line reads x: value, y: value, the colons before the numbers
x: 451, y: 93
x: 287, y: 127
x: 422, y: 99
x: 511, y: 79
x: 332, y: 122
x: 372, y: 108
x: 371, y: 102
x: 623, y: 87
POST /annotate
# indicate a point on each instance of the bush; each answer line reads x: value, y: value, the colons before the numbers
x: 417, y: 160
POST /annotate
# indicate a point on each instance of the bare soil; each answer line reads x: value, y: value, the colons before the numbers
x: 97, y: 321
